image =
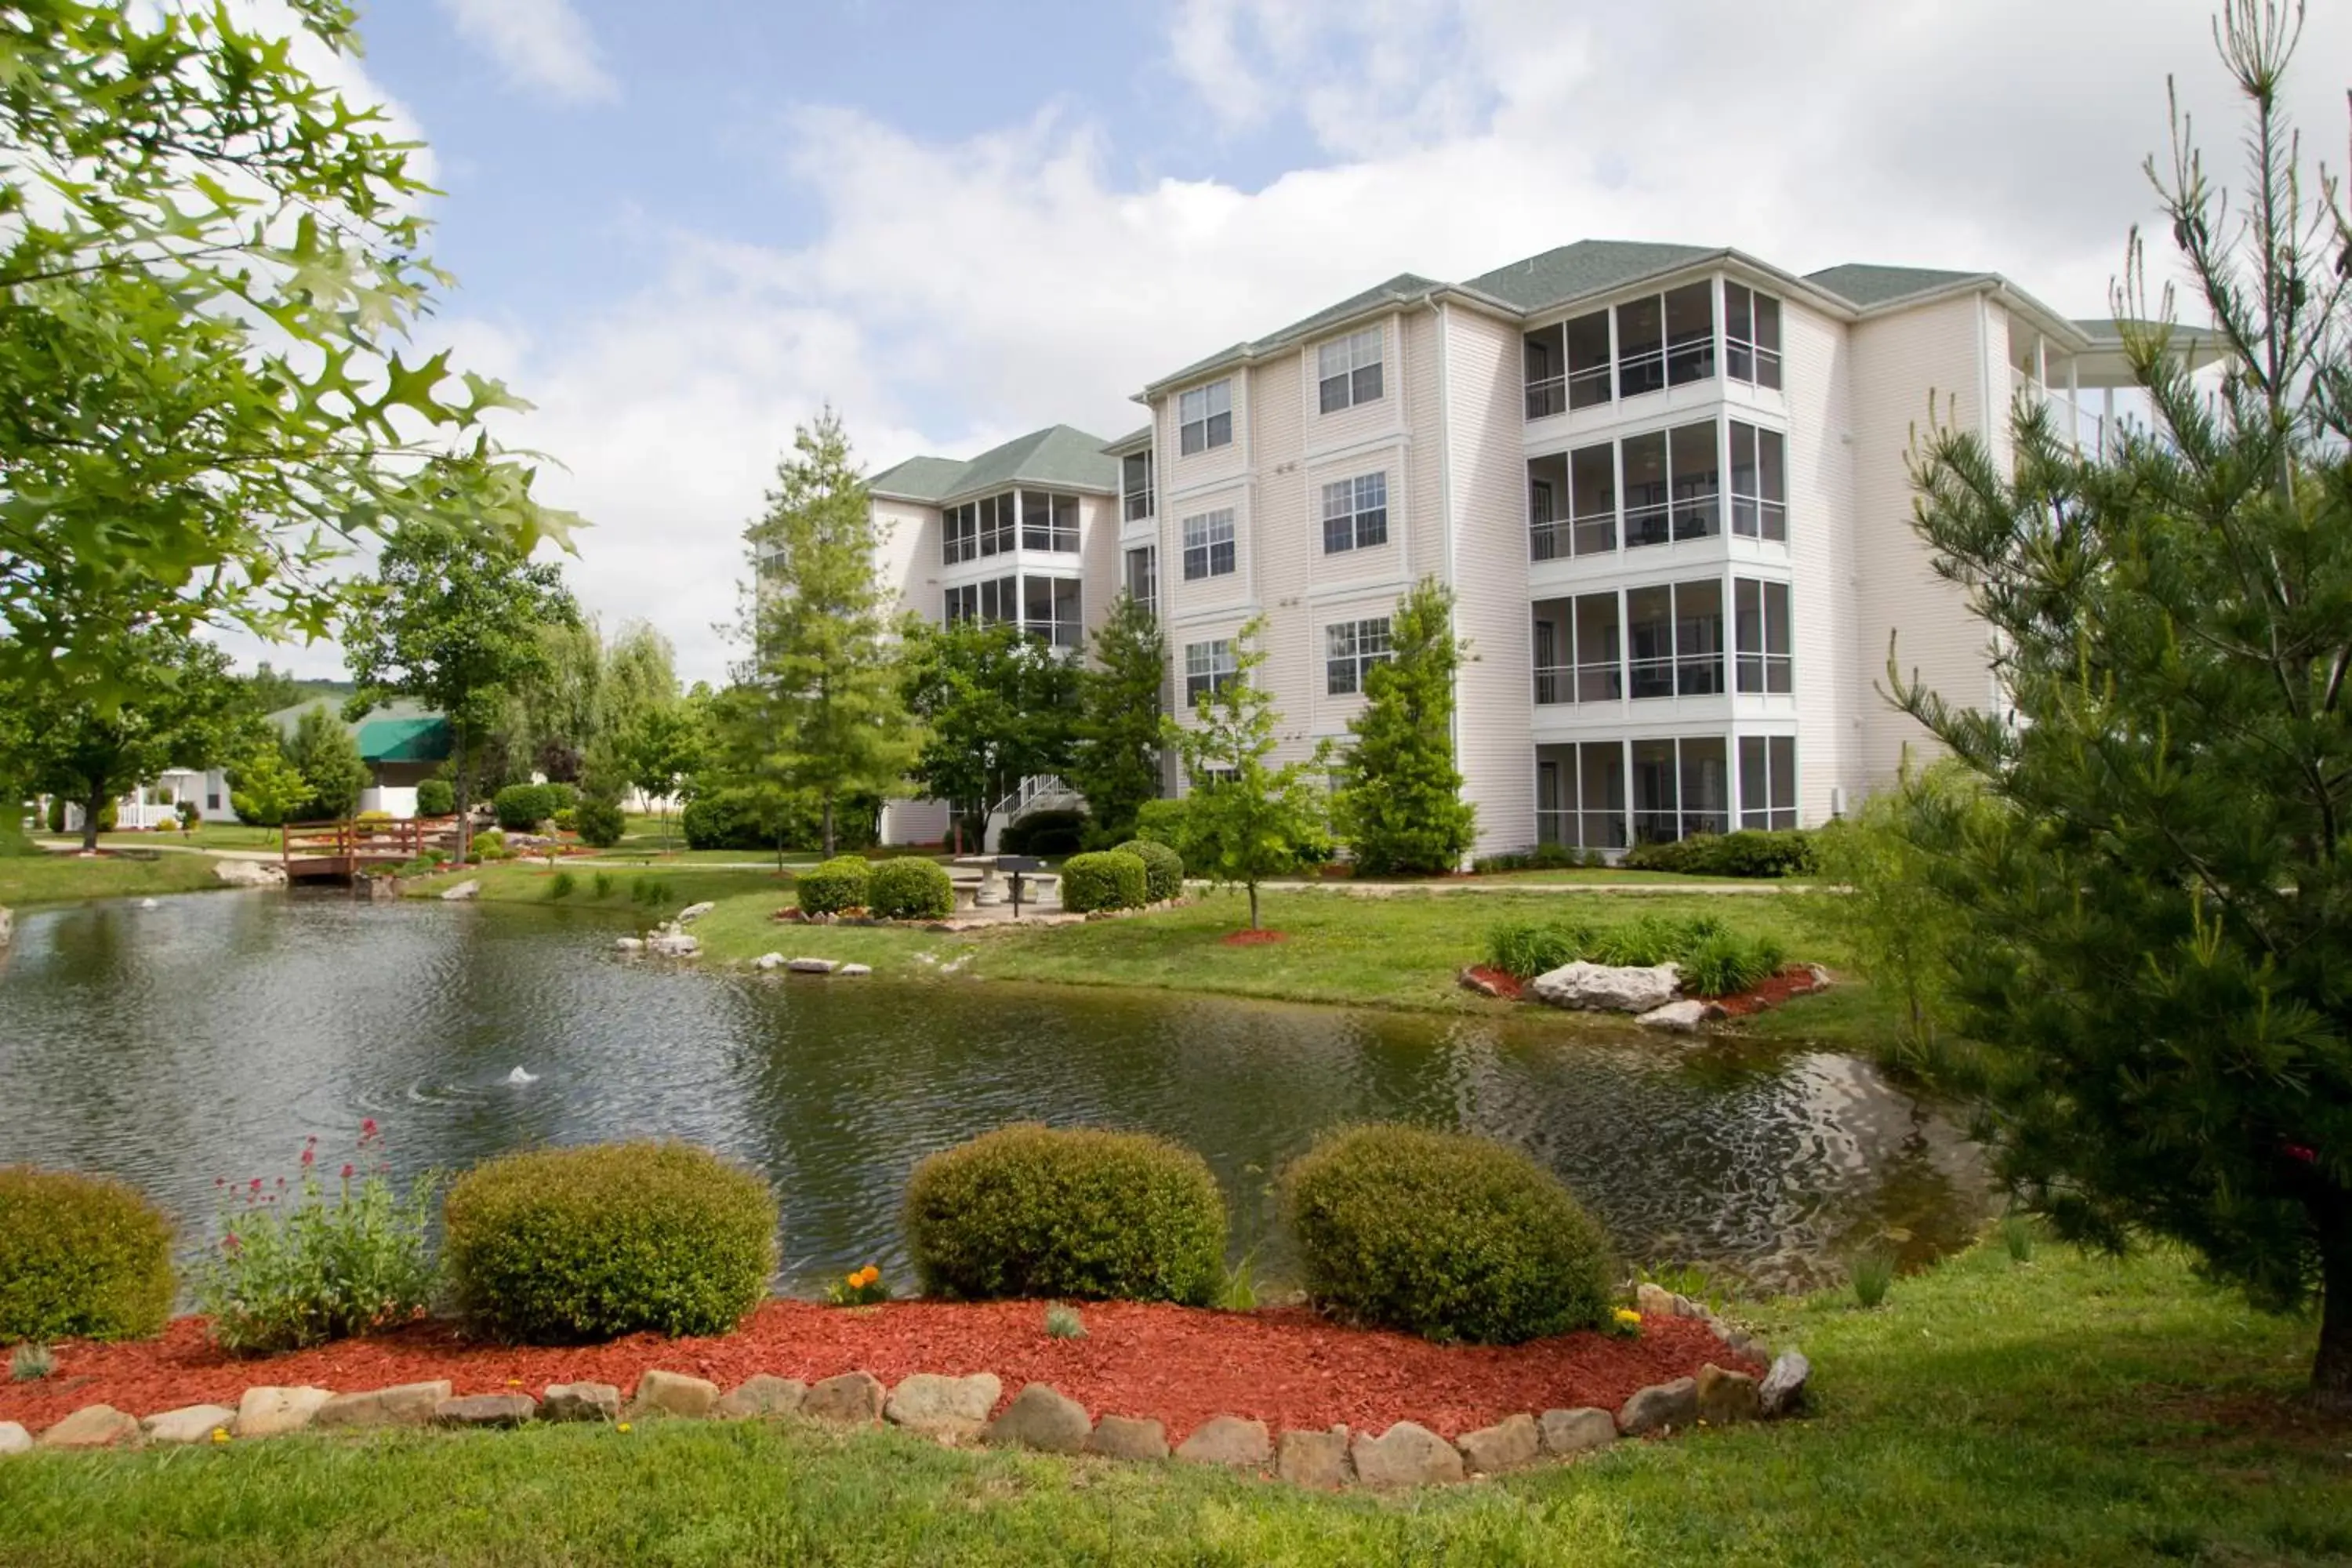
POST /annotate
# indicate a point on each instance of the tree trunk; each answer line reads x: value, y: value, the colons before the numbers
x: 828, y: 825
x: 89, y: 812
x: 1252, y: 893
x: 2331, y: 1369
x: 465, y: 796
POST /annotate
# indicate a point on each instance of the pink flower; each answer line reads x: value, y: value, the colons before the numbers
x: 367, y: 1129
x: 2301, y: 1152
x: 347, y: 1171
x: 219, y: 1182
x: 256, y: 1183
x: 310, y: 1156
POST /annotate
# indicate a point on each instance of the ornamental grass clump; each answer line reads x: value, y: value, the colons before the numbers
x: 836, y: 885
x: 1031, y: 1211
x: 1524, y: 949
x: 572, y: 1246
x: 1445, y: 1235
x: 1107, y: 879
x: 81, y: 1257
x: 1725, y: 963
x: 908, y: 888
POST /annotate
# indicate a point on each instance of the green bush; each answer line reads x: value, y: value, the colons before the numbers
x: 436, y: 797
x: 599, y: 823
x: 522, y: 808
x: 1033, y: 1211
x: 1529, y: 948
x: 1162, y: 822
x: 1651, y: 940
x: 840, y: 883
x: 909, y: 888
x: 1750, y: 852
x: 1443, y: 1235
x: 1044, y: 833
x: 1112, y: 880
x: 729, y: 818
x: 1163, y: 868
x: 81, y: 1257
x: 566, y: 819
x: 566, y: 1246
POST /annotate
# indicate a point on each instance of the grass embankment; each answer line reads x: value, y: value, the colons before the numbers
x: 2067, y: 1411
x: 27, y: 880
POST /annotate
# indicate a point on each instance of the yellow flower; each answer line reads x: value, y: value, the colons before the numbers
x: 622, y: 1427
x: 1627, y: 1318
x: 853, y: 1281
x: 220, y: 1434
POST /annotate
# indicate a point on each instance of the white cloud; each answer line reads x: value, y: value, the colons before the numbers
x: 543, y: 46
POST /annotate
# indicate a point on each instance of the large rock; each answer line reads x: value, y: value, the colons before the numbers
x: 14, y: 1439
x: 763, y: 1394
x: 1726, y: 1396
x: 1659, y: 1407
x: 1406, y: 1455
x: 1128, y: 1437
x: 1601, y: 988
x: 768, y: 961
x: 1510, y: 1444
x: 581, y: 1401
x: 189, y: 1424
x: 468, y: 888
x: 1318, y: 1459
x: 1784, y: 1385
x: 854, y: 971
x: 948, y: 1408
x: 693, y: 912
x: 1044, y: 1418
x: 809, y: 965
x: 249, y: 873
x: 7, y: 923
x: 673, y: 1393
x: 1655, y: 1300
x: 673, y: 944
x: 408, y: 1404
x: 1566, y: 1432
x: 272, y: 1412
x: 486, y: 1410
x: 1684, y: 1017
x: 854, y: 1397
x: 1231, y: 1441
x: 93, y: 1426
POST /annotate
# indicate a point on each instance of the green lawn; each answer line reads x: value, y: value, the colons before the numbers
x: 2067, y: 1411
x: 45, y: 878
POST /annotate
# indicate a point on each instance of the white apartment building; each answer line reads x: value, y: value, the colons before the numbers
x: 1668, y: 485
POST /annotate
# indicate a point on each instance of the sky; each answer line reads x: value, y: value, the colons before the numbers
x: 681, y: 229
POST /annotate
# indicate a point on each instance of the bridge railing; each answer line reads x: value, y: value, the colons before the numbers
x: 352, y: 842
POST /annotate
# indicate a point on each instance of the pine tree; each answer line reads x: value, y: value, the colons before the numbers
x: 1399, y: 808
x: 1116, y: 764
x: 823, y: 707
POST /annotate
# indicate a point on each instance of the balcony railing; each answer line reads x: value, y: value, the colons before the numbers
x: 1559, y: 684
x: 1581, y: 829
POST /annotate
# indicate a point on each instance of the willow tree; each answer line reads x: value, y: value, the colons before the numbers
x: 2160, y: 964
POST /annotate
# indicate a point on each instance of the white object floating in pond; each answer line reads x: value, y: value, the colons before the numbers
x: 519, y: 1076
x: 149, y: 904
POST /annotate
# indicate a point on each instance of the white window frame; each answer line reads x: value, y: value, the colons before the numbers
x: 1761, y: 510
x: 1360, y: 509
x: 1068, y: 634
x: 959, y: 533
x: 1746, y: 358
x: 1151, y: 554
x: 1207, y: 667
x: 1210, y: 537
x: 1348, y: 370
x: 1756, y: 667
x: 1773, y: 811
x: 1204, y: 418
x: 1135, y: 500
x: 1350, y: 649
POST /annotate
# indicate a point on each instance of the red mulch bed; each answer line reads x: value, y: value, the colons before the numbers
x: 1255, y: 938
x: 1796, y: 980
x: 1489, y: 981
x: 1287, y: 1366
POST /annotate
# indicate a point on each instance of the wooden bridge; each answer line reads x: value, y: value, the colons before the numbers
x: 341, y: 851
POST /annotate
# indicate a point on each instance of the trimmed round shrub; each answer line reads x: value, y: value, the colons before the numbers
x: 909, y: 888
x: 599, y: 823
x: 1044, y: 832
x: 838, y: 884
x: 522, y: 808
x: 1033, y: 1211
x: 81, y: 1257
x: 1443, y: 1235
x: 1110, y: 880
x: 568, y: 1245
x: 436, y: 797
x: 1163, y: 868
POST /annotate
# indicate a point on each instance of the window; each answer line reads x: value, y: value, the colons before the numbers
x: 1205, y: 417
x: 1674, y: 634
x: 1207, y: 667
x: 1760, y: 483
x: 1641, y: 347
x: 1751, y: 336
x: 1209, y: 544
x: 1581, y: 795
x: 1350, y: 649
x: 1543, y: 521
x: 1665, y: 339
x: 1680, y: 788
x: 962, y: 605
x: 1588, y: 360
x: 1567, y: 365
x: 1690, y: 333
x: 1763, y: 626
x: 1356, y: 513
x: 1768, y: 781
x: 996, y: 524
x: 1577, y: 650
x: 1049, y: 611
x: 212, y: 800
x: 1135, y: 486
x: 1049, y: 522
x: 959, y: 532
x: 1143, y: 573
x: 1592, y: 498
x: 1348, y: 370
x: 990, y: 601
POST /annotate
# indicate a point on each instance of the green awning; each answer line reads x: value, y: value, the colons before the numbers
x: 405, y: 740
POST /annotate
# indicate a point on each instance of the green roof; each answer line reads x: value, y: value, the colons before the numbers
x: 421, y: 740
x: 1587, y: 267
x: 1867, y: 286
x: 1404, y: 288
x: 1057, y: 456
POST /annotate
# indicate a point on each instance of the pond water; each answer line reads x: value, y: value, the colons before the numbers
x: 204, y: 1038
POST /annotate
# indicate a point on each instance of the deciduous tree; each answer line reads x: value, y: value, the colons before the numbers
x: 1115, y: 761
x: 322, y: 750
x: 997, y: 707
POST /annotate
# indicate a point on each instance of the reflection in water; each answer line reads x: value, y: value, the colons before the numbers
x: 208, y: 1036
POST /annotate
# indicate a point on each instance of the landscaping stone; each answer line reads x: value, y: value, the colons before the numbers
x: 693, y: 912
x: 1602, y: 988
x: 268, y: 1412
x: 673, y: 1393
x: 92, y: 1427
x: 1565, y: 1432
x: 1660, y: 1406
x: 811, y: 966
x: 1684, y: 1017
x: 14, y: 1439
x: 763, y: 1394
x: 486, y: 1410
x: 249, y: 873
x: 629, y: 944
x: 673, y: 944
x: 852, y: 971
x: 1044, y: 1418
x: 768, y: 961
x: 189, y: 1424
x: 1653, y: 1300
x: 1406, y: 1455
x: 1318, y: 1459
x: 853, y: 1396
x: 468, y: 888
x: 7, y: 924
x: 1726, y: 1396
x: 409, y: 1404
x: 1510, y: 1444
x: 581, y: 1401
x: 1128, y: 1437
x: 948, y: 1408
x: 1783, y: 1390
x: 1231, y: 1441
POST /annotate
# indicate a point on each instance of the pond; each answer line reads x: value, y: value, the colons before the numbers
x: 202, y: 1039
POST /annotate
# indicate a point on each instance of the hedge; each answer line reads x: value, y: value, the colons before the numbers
x: 1031, y: 1211
x: 599, y: 823
x: 1443, y: 1235
x: 1044, y: 833
x: 840, y: 883
x: 909, y: 888
x: 568, y: 1245
x: 81, y: 1257
x: 1163, y: 868
x: 732, y: 818
x: 1749, y: 852
x: 1112, y: 880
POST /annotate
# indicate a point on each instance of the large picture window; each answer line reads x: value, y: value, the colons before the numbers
x: 1207, y: 667
x: 1204, y: 418
x: 1762, y: 629
x: 1348, y: 370
x: 996, y: 524
x: 1673, y: 479
x: 996, y: 600
x: 1580, y: 794
x: 1673, y: 632
x: 1350, y: 649
x: 1050, y: 612
x: 1356, y: 513
x: 1680, y: 788
x: 1209, y: 544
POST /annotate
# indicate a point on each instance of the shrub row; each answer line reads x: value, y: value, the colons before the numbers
x: 738, y: 818
x: 1716, y: 960
x: 1749, y: 852
x: 836, y: 885
x: 1542, y: 857
x: 1163, y: 868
